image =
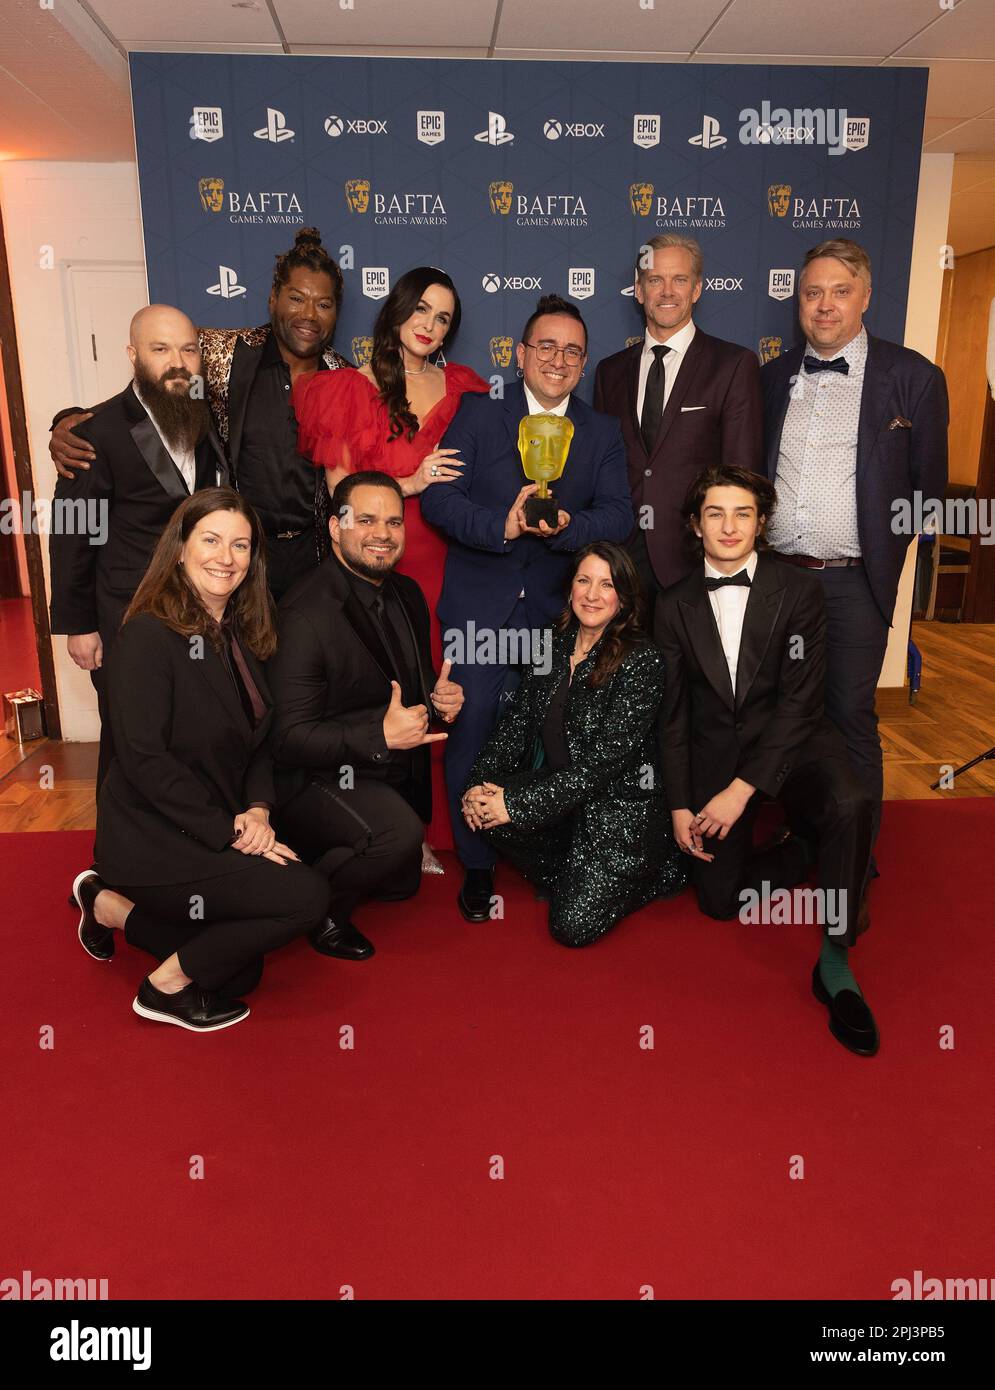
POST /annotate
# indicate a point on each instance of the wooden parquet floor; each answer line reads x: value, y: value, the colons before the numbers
x: 48, y: 785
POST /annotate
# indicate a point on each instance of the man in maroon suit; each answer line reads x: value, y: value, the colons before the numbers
x: 686, y: 401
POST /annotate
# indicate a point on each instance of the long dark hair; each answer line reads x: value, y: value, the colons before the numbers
x: 626, y: 630
x: 166, y: 593
x: 385, y: 361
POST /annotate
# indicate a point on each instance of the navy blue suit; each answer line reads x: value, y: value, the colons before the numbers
x: 901, y: 450
x: 497, y: 584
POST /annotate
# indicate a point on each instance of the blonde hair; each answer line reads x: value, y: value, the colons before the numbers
x: 853, y: 256
x: 665, y: 239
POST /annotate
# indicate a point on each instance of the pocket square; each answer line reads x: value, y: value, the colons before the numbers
x: 686, y: 408
x: 900, y: 423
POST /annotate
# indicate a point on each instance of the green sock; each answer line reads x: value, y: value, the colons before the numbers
x: 834, y: 968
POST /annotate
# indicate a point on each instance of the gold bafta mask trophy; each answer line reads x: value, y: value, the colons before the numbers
x: 543, y: 443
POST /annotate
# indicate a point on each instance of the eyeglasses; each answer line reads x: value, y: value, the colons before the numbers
x: 545, y: 352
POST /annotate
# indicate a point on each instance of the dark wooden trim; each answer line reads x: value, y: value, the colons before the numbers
x: 25, y: 483
x: 979, y: 599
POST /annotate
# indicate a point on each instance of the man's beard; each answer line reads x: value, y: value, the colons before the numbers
x: 360, y: 565
x: 183, y: 421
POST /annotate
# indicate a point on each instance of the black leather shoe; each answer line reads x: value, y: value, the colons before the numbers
x: 474, y: 898
x: 192, y: 1007
x: 97, y: 941
x: 342, y: 941
x: 850, y: 1020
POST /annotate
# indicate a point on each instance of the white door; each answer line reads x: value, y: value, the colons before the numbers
x: 101, y: 299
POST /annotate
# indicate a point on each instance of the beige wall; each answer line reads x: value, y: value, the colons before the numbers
x: 84, y: 212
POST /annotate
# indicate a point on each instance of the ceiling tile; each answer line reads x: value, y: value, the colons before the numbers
x: 955, y: 88
x: 971, y: 137
x: 968, y: 31
x: 873, y: 29
x: 972, y: 223
x: 385, y: 23
x: 592, y: 26
x: 971, y: 173
x: 149, y: 24
x: 810, y: 60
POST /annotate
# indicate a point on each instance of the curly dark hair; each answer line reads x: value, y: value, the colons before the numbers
x: 386, y: 362
x: 165, y: 591
x: 626, y: 631
x: 307, y: 251
x: 727, y: 475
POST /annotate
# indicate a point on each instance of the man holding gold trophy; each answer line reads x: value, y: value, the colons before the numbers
x: 511, y: 538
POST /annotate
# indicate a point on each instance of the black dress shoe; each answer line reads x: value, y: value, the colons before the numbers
x: 850, y: 1020
x: 191, y: 1007
x: 340, y: 940
x: 97, y: 941
x: 474, y: 898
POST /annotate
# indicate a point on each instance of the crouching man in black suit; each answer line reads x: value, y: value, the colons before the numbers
x: 743, y: 641
x: 354, y: 692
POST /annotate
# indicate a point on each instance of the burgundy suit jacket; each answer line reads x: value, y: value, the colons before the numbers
x: 723, y: 380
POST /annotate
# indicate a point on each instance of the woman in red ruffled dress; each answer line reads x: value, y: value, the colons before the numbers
x: 391, y: 415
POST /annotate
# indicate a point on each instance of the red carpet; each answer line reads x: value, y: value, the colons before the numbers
x: 623, y: 1167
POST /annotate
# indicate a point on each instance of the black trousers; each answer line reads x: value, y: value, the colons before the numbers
x: 222, y: 927
x: 365, y: 842
x: 856, y: 640
x: 648, y: 582
x: 824, y: 802
x: 287, y: 560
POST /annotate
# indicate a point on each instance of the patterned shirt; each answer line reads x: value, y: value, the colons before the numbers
x: 816, y: 480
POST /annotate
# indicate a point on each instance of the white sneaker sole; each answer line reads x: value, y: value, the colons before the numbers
x: 157, y: 1017
x: 87, y: 873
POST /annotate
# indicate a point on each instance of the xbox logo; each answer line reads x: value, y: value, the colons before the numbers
x: 553, y: 129
x: 334, y: 126
x: 491, y: 283
x: 765, y: 134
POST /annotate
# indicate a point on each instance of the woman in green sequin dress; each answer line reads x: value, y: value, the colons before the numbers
x: 568, y: 786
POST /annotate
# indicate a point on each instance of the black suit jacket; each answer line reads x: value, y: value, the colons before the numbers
x: 773, y: 722
x: 331, y: 678
x: 720, y: 377
x: 139, y: 485
x: 186, y: 759
x: 892, y: 464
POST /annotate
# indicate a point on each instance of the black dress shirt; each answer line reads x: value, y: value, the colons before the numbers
x: 272, y: 475
x: 554, y: 736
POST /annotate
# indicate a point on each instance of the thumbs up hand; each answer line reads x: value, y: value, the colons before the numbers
x: 447, y: 696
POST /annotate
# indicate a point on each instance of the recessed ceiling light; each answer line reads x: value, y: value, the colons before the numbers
x: 244, y: 5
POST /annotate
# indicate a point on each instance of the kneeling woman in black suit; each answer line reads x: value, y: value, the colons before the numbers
x: 186, y: 862
x: 568, y: 786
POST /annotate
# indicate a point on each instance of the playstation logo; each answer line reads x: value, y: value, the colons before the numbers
x: 227, y: 286
x: 497, y: 132
x: 276, y: 129
x: 709, y: 139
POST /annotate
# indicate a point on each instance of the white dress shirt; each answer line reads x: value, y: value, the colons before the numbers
x: 678, y: 344
x: 729, y: 607
x: 536, y: 409
x: 185, y: 459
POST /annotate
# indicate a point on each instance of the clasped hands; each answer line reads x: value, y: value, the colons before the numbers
x: 406, y: 726
x: 717, y: 817
x: 255, y: 835
x: 484, y: 808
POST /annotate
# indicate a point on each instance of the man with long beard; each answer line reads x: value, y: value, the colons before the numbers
x: 152, y: 446
x: 249, y: 374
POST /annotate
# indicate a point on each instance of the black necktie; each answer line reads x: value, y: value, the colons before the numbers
x: 741, y: 578
x: 402, y: 672
x: 820, y: 364
x: 649, y: 421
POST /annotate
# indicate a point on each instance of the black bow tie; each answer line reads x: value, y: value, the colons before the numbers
x: 741, y: 578
x: 820, y: 364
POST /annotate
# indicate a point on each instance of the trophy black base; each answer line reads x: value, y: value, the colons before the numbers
x: 542, y: 509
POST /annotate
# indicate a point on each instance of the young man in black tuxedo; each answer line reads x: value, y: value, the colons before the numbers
x: 353, y: 687
x: 743, y: 641
x: 152, y: 446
